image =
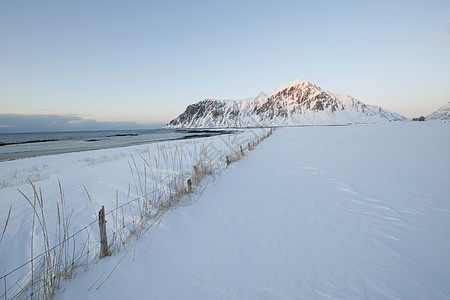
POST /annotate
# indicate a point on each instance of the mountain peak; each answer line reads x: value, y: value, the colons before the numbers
x: 446, y: 107
x: 296, y: 82
x: 442, y: 113
x: 298, y: 102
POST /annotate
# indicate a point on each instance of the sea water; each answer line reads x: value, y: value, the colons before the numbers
x: 22, y: 145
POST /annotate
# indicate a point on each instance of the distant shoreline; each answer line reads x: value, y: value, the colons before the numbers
x: 190, y: 134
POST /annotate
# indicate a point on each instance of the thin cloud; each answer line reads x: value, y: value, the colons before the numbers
x: 13, y: 123
x: 444, y: 37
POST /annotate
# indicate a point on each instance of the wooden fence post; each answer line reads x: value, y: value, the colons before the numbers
x: 189, y: 184
x: 242, y: 151
x: 104, y: 251
x: 228, y: 160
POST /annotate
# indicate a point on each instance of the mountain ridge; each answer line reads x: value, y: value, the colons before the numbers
x: 298, y: 102
x: 443, y: 113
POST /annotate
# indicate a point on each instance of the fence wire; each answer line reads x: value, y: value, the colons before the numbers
x: 23, y: 286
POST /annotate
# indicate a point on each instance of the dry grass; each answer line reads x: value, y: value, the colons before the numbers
x: 160, y: 183
x: 21, y: 176
x: 6, y: 224
x: 59, y: 260
x: 89, y: 161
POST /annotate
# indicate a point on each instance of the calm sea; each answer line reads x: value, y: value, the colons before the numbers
x: 21, y: 145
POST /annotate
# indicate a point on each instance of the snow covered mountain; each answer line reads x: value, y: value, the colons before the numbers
x: 296, y: 103
x: 388, y: 114
x: 442, y: 113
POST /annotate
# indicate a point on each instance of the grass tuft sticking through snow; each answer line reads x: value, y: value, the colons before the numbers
x: 58, y: 261
x: 160, y: 181
x: 6, y: 224
x: 21, y: 176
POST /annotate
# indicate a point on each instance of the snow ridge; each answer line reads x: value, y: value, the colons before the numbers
x: 296, y: 103
x: 442, y: 113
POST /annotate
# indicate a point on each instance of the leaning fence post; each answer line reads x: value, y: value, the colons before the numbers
x: 4, y: 279
x: 228, y: 160
x: 242, y: 150
x: 189, y: 184
x: 104, y: 251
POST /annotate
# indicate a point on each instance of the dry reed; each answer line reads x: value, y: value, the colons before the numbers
x: 160, y: 184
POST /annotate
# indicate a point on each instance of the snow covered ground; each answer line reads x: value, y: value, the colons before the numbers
x: 109, y: 176
x: 340, y: 212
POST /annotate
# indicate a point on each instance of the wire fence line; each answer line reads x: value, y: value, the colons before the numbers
x: 24, y: 276
x: 23, y: 285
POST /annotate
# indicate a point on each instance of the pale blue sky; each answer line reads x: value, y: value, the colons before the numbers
x: 143, y: 61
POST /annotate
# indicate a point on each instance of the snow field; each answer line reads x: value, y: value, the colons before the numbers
x: 355, y: 212
x: 110, y: 177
